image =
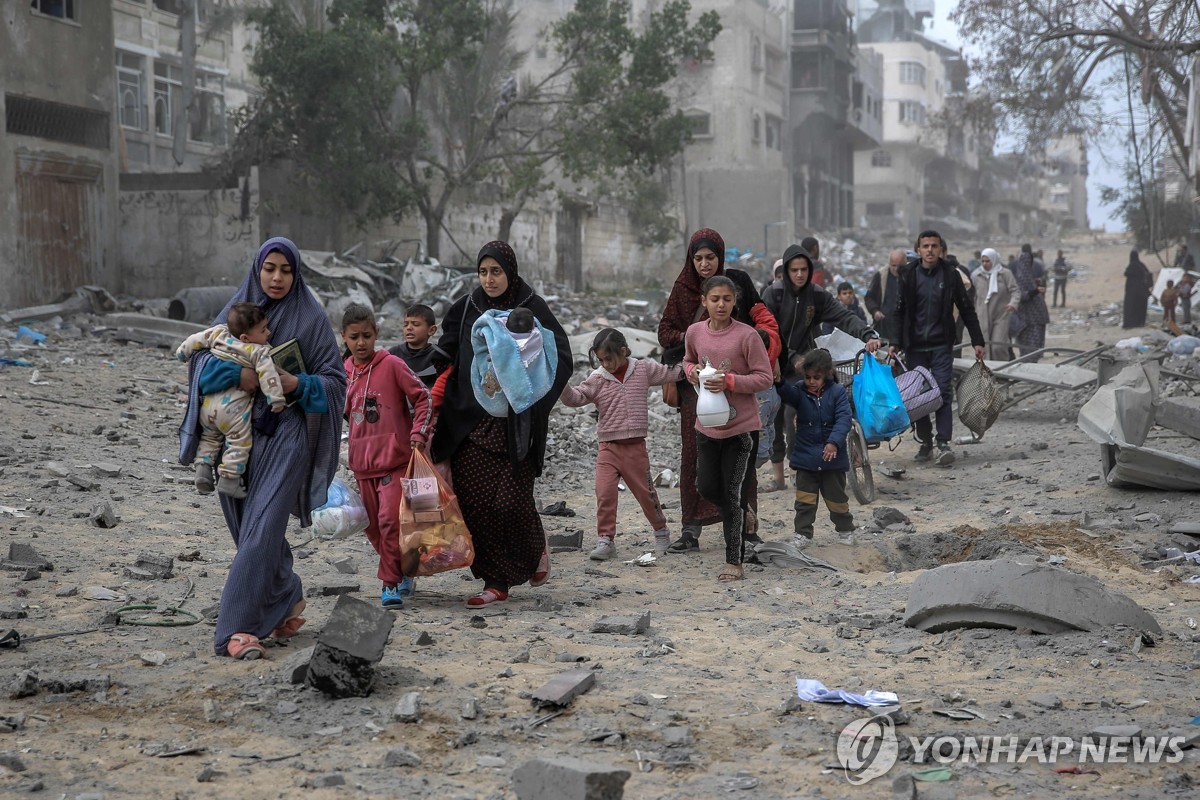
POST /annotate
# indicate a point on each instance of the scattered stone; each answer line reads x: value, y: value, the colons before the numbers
x: 106, y: 469
x: 212, y: 711
x: 326, y: 781
x: 154, y: 658
x: 22, y: 556
x: 677, y: 736
x: 31, y: 574
x: 409, y: 708
x: 206, y: 775
x: 348, y: 648
x: 11, y: 762
x: 465, y: 739
x: 565, y: 542
x: 401, y: 757
x: 1008, y: 594
x: 70, y: 591
x: 470, y: 708
x: 490, y: 762
x: 1038, y: 446
x: 522, y: 656
x: 138, y: 574
x: 422, y: 639
x: 102, y: 515
x: 1104, y: 732
x: 13, y: 613
x: 564, y: 688
x: 333, y: 589
x: 899, y: 648
x: 87, y: 484
x: 568, y: 779
x: 58, y: 469
x: 294, y: 668
x: 344, y: 565
x: 1047, y: 701
x: 886, y: 515
x: 624, y: 626
x: 789, y: 706
x: 160, y: 566
x: 570, y: 658
x: 477, y: 621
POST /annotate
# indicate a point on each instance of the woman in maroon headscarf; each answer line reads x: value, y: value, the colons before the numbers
x: 705, y: 258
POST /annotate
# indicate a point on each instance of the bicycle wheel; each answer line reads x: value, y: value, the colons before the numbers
x: 862, y: 482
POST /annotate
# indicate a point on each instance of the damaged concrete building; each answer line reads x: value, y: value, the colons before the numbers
x: 58, y: 159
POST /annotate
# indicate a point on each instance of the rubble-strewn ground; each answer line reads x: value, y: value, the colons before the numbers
x: 719, y: 660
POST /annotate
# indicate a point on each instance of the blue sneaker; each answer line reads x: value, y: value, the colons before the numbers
x: 391, y: 597
x: 407, y: 587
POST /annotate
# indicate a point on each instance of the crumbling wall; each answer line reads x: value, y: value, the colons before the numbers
x: 175, y: 238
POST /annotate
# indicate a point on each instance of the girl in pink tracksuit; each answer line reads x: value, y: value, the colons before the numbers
x: 383, y: 435
x: 619, y: 388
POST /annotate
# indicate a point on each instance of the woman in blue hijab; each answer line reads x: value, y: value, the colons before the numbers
x: 293, y: 458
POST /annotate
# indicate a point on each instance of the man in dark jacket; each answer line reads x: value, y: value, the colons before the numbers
x: 800, y: 307
x: 930, y: 290
x: 882, y: 293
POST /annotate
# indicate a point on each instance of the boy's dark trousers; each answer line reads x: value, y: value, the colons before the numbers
x: 1060, y: 284
x: 832, y: 486
x: 721, y: 466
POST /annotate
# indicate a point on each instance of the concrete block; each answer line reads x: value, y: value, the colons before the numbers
x: 401, y: 757
x: 156, y: 564
x: 103, y: 516
x: 1104, y: 732
x: 348, y: 648
x: 565, y: 687
x: 408, y: 709
x: 334, y: 589
x: 1180, y: 414
x: 565, y: 542
x: 294, y: 668
x: 886, y: 515
x: 106, y: 469
x: 87, y: 484
x: 568, y: 779
x: 625, y: 626
x: 23, y: 556
x: 1009, y: 594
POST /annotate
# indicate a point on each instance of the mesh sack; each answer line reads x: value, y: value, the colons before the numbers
x: 980, y: 399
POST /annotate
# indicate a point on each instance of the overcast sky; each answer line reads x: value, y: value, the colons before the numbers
x: 1099, y: 173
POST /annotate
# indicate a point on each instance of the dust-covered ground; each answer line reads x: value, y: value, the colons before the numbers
x: 694, y: 708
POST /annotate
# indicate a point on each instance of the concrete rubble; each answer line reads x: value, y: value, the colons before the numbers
x: 350, y: 645
x: 1009, y: 594
x: 568, y: 779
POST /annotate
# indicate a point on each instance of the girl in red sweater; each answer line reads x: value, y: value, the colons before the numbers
x: 724, y: 453
x: 383, y: 435
x: 618, y: 388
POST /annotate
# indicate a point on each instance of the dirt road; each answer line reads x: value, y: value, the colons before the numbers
x: 695, y: 708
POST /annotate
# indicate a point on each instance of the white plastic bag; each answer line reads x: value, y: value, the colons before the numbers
x: 343, y: 514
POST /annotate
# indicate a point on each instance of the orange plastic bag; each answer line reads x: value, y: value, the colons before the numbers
x: 433, y: 535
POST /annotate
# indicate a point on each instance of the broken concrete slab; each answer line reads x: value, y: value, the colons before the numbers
x: 348, y: 648
x: 22, y: 556
x: 103, y: 516
x: 1187, y: 528
x: 333, y: 589
x: 1047, y: 701
x: 294, y: 668
x: 401, y: 756
x: 1180, y: 414
x: 1128, y: 732
x: 564, y: 688
x: 84, y: 300
x: 85, y: 483
x: 1122, y: 411
x: 1009, y: 594
x: 565, y: 542
x: 1067, y: 377
x: 568, y: 779
x: 624, y: 626
x: 408, y: 709
x: 106, y: 469
x: 160, y: 566
x: 148, y: 330
x: 1126, y: 466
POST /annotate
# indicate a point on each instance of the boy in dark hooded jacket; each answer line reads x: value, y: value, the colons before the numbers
x: 800, y: 307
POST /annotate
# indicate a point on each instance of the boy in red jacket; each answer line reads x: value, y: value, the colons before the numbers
x: 383, y: 435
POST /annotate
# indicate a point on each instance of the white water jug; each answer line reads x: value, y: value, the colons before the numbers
x: 712, y: 408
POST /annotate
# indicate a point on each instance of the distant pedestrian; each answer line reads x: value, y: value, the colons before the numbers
x: 820, y: 275
x: 996, y: 297
x: 1032, y: 309
x: 882, y: 294
x: 1138, y: 285
x: 1187, y: 286
x: 1169, y: 299
x: 618, y: 387
x: 1184, y: 260
x: 1061, y: 272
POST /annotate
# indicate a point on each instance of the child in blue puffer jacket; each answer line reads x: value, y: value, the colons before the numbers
x: 819, y: 456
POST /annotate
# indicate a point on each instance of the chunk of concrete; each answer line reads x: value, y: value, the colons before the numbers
x: 158, y: 565
x: 106, y: 469
x: 565, y: 542
x: 1180, y: 414
x: 103, y: 516
x: 294, y: 668
x: 624, y: 626
x: 1104, y: 732
x: 568, y: 779
x: 23, y: 556
x: 348, y: 648
x: 408, y: 709
x: 1009, y: 594
x: 565, y: 687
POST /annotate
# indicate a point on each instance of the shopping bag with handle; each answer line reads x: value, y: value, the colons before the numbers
x: 433, y: 535
x: 877, y: 402
x: 980, y: 399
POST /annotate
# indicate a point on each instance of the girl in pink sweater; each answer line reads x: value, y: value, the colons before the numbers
x: 723, y: 454
x: 618, y: 388
x: 383, y: 434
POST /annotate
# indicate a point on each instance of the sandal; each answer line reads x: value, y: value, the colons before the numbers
x: 486, y: 598
x: 245, y: 646
x: 543, y: 569
x: 292, y: 623
x: 731, y: 572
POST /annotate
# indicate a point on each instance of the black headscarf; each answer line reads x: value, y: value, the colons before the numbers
x: 504, y: 255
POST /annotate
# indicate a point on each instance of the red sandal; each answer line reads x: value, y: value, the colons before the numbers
x: 292, y: 624
x: 542, y: 574
x: 245, y: 646
x: 486, y: 598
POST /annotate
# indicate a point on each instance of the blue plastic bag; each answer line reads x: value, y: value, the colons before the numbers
x: 877, y: 402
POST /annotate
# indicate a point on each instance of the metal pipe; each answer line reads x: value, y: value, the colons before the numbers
x: 200, y: 304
